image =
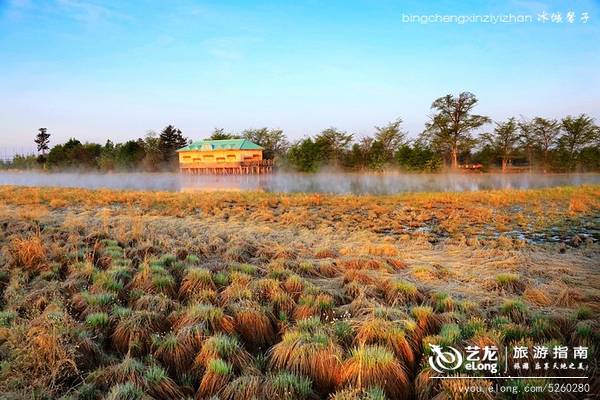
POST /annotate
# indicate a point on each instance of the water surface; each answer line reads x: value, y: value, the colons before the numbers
x: 326, y: 182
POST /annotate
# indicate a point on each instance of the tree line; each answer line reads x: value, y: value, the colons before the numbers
x: 454, y: 136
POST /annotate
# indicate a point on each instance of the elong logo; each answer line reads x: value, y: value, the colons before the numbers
x: 442, y: 361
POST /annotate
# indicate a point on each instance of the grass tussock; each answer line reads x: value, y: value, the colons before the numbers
x: 371, y: 366
x: 509, y: 283
x: 309, y: 350
x: 29, y: 253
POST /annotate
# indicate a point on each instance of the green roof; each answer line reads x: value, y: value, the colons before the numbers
x: 228, y: 144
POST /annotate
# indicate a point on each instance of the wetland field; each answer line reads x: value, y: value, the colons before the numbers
x: 115, y: 294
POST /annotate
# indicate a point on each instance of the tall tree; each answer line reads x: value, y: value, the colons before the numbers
x: 305, y: 155
x: 391, y: 137
x: 578, y: 132
x: 452, y: 124
x: 129, y: 155
x: 545, y: 131
x: 332, y: 144
x: 170, y: 140
x: 504, y: 140
x: 359, y: 154
x: 273, y: 141
x: 527, y: 139
x: 153, y: 156
x: 42, y: 140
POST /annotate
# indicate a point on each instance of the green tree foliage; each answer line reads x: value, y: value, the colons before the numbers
x: 20, y: 161
x: 305, y: 155
x: 546, y: 132
x: 106, y: 162
x: 273, y: 141
x: 74, y: 154
x: 504, y: 141
x: 169, y: 141
x: 578, y: 133
x: 153, y: 155
x: 129, y: 155
x: 418, y: 157
x: 589, y: 158
x: 450, y: 128
x: 390, y: 138
x: 332, y: 144
x: 220, y: 134
x: 359, y: 155
x: 527, y: 140
x: 367, y: 154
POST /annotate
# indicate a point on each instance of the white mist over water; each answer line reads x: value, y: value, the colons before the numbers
x: 325, y: 182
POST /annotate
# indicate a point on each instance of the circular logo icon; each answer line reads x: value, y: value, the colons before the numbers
x: 442, y: 361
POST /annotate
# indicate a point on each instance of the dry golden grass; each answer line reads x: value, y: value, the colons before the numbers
x: 221, y: 346
x: 374, y: 366
x: 242, y: 295
x: 246, y: 387
x: 537, y: 296
x: 29, y: 252
x: 133, y: 333
x: 45, y: 350
x: 389, y: 334
x: 309, y: 352
x: 218, y: 374
x: 253, y: 325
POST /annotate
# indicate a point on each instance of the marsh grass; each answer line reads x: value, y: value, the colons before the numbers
x: 245, y: 387
x: 160, y: 385
x: 515, y: 309
x: 254, y: 296
x: 225, y: 347
x: 218, y: 374
x: 254, y: 325
x: 288, y: 386
x: 370, y: 366
x: 359, y: 394
x: 133, y: 332
x: 509, y: 283
x: 309, y: 351
x: 377, y: 331
x: 98, y: 320
x: 29, y: 252
x: 176, y: 350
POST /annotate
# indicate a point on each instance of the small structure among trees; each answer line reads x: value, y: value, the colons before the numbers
x: 223, y: 157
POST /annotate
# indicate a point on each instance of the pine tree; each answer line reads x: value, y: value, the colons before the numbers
x: 170, y: 140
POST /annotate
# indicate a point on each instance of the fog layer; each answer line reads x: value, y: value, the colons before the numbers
x: 327, y: 182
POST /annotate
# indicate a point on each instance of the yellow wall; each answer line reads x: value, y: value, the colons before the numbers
x: 218, y: 156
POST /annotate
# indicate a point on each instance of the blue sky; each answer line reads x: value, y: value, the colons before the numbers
x: 114, y: 69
